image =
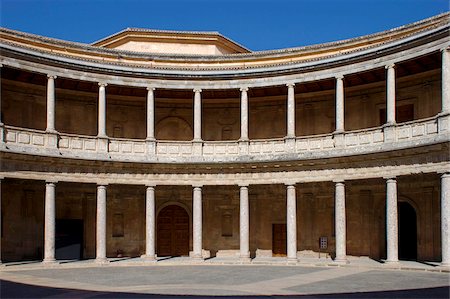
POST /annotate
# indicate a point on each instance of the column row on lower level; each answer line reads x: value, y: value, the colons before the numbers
x: 244, y: 223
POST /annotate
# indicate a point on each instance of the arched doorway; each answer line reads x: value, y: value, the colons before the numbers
x: 407, y: 232
x: 173, y: 231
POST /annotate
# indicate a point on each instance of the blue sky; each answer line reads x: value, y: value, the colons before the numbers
x: 258, y: 25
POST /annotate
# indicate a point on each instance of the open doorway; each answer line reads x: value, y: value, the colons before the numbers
x: 407, y: 238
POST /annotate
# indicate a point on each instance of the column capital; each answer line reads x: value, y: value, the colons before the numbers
x: 338, y: 181
x: 390, y: 66
x: 243, y: 185
x: 102, y: 186
x: 51, y: 182
x: 150, y: 88
x: 102, y: 84
x: 390, y: 179
x: 150, y: 186
x: 443, y: 175
x: 290, y: 185
x: 244, y: 88
x: 197, y: 186
x: 197, y: 90
x: 339, y: 77
x: 51, y: 76
x: 290, y: 85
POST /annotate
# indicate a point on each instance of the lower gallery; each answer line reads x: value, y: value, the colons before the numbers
x: 202, y: 148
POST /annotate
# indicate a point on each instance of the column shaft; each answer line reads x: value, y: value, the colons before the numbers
x: 49, y: 223
x: 102, y: 110
x: 390, y: 95
x: 291, y: 222
x: 340, y: 222
x: 150, y: 223
x: 291, y: 111
x: 244, y: 114
x: 244, y: 223
x: 150, y: 113
x: 197, y: 225
x: 197, y: 115
x: 101, y: 224
x: 445, y: 219
x: 391, y: 221
x: 50, y: 103
x: 445, y: 81
x: 0, y: 220
x: 339, y: 104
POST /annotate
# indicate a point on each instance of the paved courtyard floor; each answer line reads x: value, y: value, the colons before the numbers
x: 272, y: 278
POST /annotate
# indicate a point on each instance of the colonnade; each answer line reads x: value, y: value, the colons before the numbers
x: 244, y: 223
x: 244, y: 106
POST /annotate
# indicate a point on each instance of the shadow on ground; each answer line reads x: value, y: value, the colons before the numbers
x: 17, y: 290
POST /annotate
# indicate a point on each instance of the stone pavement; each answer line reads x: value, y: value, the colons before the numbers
x: 362, y: 278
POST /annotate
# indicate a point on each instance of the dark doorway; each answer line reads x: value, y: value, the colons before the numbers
x: 69, y: 239
x: 407, y: 232
x: 279, y: 239
x: 173, y: 232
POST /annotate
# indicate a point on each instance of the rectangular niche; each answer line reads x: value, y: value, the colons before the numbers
x: 227, y: 224
x: 118, y: 230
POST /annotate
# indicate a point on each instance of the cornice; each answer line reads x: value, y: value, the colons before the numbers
x: 343, y: 46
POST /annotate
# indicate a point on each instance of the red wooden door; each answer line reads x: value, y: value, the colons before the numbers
x: 173, y: 232
x: 279, y: 236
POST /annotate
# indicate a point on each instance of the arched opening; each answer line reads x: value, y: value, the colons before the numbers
x: 407, y: 229
x: 173, y: 232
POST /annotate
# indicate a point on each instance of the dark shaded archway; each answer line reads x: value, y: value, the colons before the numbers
x: 407, y: 229
x: 173, y: 232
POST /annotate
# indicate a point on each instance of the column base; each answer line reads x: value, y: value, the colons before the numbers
x: 292, y: 261
x: 101, y: 261
x: 197, y: 259
x: 245, y: 260
x: 49, y: 262
x: 442, y: 266
x: 149, y: 258
x: 341, y: 261
x: 393, y: 264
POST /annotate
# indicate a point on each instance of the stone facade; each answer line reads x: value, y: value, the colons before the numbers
x: 295, y: 154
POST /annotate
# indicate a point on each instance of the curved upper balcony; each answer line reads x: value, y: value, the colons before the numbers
x: 67, y: 100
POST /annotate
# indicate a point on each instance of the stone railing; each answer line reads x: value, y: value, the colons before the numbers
x: 411, y: 134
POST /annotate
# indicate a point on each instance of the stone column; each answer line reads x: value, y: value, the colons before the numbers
x: 390, y: 95
x: 49, y: 223
x: 291, y: 222
x: 197, y: 225
x: 1, y: 123
x: 244, y: 224
x: 340, y: 223
x: 102, y: 110
x: 244, y: 114
x: 391, y: 221
x: 445, y: 109
x: 197, y: 115
x: 150, y: 114
x: 101, y: 224
x: 445, y: 219
x: 291, y: 111
x: 0, y: 219
x: 150, y: 223
x: 339, y: 104
x: 51, y: 103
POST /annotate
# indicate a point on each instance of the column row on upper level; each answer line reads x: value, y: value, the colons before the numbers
x: 378, y: 97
